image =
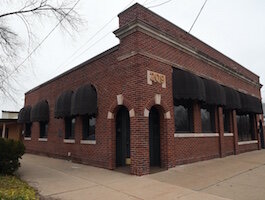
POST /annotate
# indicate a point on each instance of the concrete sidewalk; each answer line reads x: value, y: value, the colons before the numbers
x: 233, y: 177
x: 60, y: 179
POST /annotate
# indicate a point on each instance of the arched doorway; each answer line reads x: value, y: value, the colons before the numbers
x: 154, y: 137
x: 122, y: 136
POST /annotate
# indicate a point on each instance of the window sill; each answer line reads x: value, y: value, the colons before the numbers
x: 228, y: 134
x: 27, y: 138
x: 87, y: 141
x: 248, y: 142
x: 191, y: 135
x: 43, y: 139
x: 69, y: 141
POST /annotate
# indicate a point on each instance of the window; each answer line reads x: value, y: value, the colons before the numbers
x: 183, y: 114
x: 226, y: 118
x: 28, y: 129
x: 89, y: 125
x: 69, y: 128
x: 43, y: 129
x: 208, y: 119
x: 245, y: 123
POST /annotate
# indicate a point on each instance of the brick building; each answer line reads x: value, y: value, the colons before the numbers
x: 160, y: 98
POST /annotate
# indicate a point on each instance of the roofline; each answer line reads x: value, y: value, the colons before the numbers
x: 111, y: 50
x: 150, y: 11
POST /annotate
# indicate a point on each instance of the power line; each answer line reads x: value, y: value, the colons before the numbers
x: 159, y: 4
x: 197, y: 16
x: 66, y: 62
x: 43, y: 40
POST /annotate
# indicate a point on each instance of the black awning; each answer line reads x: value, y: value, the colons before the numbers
x: 215, y: 93
x: 40, y: 111
x: 250, y: 104
x: 24, y: 115
x: 84, y: 101
x: 63, y: 105
x: 232, y: 98
x: 187, y: 86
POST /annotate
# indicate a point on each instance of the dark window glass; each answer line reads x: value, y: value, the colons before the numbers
x: 28, y: 129
x: 89, y: 125
x: 183, y: 115
x: 245, y: 123
x: 43, y: 129
x: 226, y: 118
x: 208, y: 119
x: 69, y: 128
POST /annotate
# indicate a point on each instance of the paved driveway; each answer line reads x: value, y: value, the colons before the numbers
x: 234, y: 177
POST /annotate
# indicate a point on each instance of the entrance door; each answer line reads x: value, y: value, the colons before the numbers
x: 122, y: 136
x: 154, y: 137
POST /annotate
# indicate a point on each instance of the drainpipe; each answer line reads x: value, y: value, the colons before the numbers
x: 4, y: 130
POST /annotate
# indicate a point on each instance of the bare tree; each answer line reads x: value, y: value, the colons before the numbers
x: 61, y: 12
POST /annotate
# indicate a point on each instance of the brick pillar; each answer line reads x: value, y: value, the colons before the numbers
x: 197, y: 117
x: 140, y: 146
x: 235, y: 132
x: 221, y: 131
x: 256, y: 130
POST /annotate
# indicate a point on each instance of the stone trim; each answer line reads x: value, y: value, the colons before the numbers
x: 27, y: 138
x: 69, y: 141
x: 146, y: 112
x: 120, y: 99
x: 191, y: 135
x: 167, y: 115
x: 158, y: 99
x: 248, y: 142
x: 228, y: 134
x: 110, y: 115
x: 43, y: 139
x: 87, y: 141
x: 141, y: 26
x: 132, y: 113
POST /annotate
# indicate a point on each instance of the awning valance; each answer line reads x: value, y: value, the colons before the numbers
x: 84, y: 101
x: 63, y: 105
x: 40, y: 111
x: 232, y: 98
x: 187, y: 86
x: 24, y: 115
x: 250, y: 104
x: 215, y: 93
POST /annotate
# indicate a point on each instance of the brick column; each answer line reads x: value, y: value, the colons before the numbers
x: 197, y: 117
x: 256, y: 130
x: 235, y: 131
x: 221, y: 130
x: 140, y: 146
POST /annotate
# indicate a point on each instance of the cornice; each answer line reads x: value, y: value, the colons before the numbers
x: 138, y: 25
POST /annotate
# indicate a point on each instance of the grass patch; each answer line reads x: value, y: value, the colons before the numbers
x: 11, y: 187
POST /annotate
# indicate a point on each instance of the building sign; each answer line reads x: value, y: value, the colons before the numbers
x: 154, y: 77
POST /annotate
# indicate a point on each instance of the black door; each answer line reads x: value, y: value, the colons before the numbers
x: 122, y: 136
x: 154, y: 137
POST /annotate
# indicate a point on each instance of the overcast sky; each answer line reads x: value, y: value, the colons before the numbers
x: 233, y: 27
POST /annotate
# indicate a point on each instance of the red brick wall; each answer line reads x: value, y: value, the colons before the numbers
x: 196, y: 149
x: 123, y: 71
x: 229, y: 146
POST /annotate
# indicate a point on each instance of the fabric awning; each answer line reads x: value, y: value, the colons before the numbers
x: 84, y: 101
x: 24, y: 115
x: 215, y: 93
x: 187, y: 86
x: 250, y: 104
x: 40, y: 111
x: 63, y: 105
x: 232, y: 98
